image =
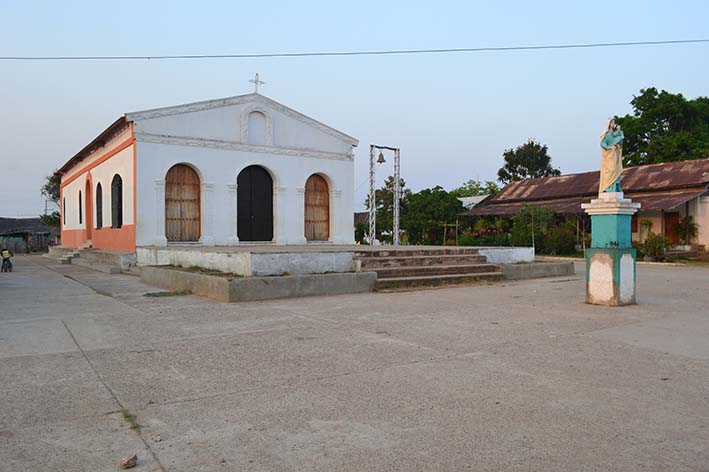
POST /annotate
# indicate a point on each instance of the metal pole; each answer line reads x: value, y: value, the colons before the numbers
x: 397, y: 196
x: 372, y: 199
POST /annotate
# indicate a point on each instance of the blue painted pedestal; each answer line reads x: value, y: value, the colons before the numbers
x: 610, y: 262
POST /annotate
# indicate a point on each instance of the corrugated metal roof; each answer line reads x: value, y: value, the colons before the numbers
x: 22, y: 225
x: 651, y: 184
x: 649, y: 201
x: 669, y: 175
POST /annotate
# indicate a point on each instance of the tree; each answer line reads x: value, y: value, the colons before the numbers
x: 473, y: 188
x: 528, y: 161
x: 50, y: 189
x: 530, y: 224
x: 51, y: 192
x: 426, y: 212
x: 385, y: 207
x: 665, y: 127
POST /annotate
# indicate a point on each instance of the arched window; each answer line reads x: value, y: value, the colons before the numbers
x: 80, y: 207
x: 116, y: 201
x: 99, y: 206
x: 64, y: 209
x: 257, y: 128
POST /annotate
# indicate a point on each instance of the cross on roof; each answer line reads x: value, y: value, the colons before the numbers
x: 256, y: 82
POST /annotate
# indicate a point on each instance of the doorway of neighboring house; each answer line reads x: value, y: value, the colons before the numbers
x: 182, y: 204
x: 671, y: 220
x: 88, y: 206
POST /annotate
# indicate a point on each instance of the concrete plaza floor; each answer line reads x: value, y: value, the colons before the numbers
x: 513, y: 376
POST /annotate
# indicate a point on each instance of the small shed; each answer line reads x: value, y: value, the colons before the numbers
x: 25, y: 234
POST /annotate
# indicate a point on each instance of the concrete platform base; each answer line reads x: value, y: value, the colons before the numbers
x: 537, y: 270
x: 244, y: 289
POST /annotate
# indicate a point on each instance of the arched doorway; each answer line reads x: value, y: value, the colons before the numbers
x: 88, y: 207
x: 317, y: 209
x: 254, y: 199
x: 182, y: 204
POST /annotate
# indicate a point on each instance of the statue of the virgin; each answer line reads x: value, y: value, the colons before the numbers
x: 611, y: 157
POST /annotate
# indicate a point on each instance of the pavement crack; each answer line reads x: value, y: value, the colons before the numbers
x: 113, y: 395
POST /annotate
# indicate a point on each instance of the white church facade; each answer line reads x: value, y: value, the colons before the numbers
x: 233, y: 171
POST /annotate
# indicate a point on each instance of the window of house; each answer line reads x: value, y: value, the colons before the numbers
x: 116, y: 201
x: 99, y: 206
x: 64, y: 209
x: 79, y: 206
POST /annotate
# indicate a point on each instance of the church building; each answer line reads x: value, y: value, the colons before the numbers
x: 231, y: 171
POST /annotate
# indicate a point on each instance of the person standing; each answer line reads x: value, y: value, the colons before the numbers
x: 6, y: 262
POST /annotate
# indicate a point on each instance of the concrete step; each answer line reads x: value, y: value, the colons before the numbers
x: 109, y: 269
x: 109, y: 258
x: 133, y: 270
x: 415, y: 271
x: 60, y: 259
x: 435, y: 280
x: 442, y: 251
x: 445, y: 259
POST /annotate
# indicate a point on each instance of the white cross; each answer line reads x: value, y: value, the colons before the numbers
x: 256, y: 82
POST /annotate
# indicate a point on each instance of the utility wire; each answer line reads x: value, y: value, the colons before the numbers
x: 350, y: 53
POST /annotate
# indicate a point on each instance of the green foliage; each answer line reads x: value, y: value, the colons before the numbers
x: 473, y: 188
x: 503, y: 225
x: 425, y: 213
x: 482, y: 223
x: 560, y: 239
x: 50, y: 189
x: 528, y: 161
x: 655, y: 246
x: 51, y: 219
x: 385, y: 207
x: 531, y: 220
x: 665, y: 127
x: 361, y: 232
x: 686, y: 229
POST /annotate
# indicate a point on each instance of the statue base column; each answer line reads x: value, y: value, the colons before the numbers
x: 610, y: 262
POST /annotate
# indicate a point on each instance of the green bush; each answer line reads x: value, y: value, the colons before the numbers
x: 686, y: 229
x: 560, y: 239
x: 467, y: 239
x: 482, y: 223
x: 531, y: 219
x: 655, y: 246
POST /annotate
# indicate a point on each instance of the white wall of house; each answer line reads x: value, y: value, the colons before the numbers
x: 121, y: 164
x: 215, y: 142
x: 70, y: 204
x: 701, y: 217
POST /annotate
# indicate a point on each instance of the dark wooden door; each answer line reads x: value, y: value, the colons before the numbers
x: 671, y: 219
x: 254, y: 197
x: 182, y: 204
x: 317, y: 209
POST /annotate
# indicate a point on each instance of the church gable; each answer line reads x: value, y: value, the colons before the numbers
x: 251, y: 120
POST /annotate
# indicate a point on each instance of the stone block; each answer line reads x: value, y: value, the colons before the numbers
x: 610, y: 276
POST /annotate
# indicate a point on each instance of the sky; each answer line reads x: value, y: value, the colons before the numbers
x: 452, y: 115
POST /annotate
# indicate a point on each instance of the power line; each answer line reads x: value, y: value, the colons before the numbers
x: 351, y: 53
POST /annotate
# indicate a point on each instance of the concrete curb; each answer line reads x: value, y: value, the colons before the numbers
x: 258, y: 288
x: 537, y: 270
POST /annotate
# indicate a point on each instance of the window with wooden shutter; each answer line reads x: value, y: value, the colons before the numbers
x: 116, y: 201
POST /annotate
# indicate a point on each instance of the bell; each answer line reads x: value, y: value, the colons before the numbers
x: 381, y: 159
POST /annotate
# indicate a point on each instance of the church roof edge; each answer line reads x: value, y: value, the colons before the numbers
x: 237, y: 100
